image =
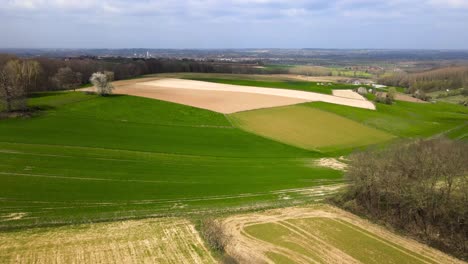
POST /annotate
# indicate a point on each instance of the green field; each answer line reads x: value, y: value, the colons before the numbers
x: 309, y: 128
x: 404, y: 119
x: 90, y: 158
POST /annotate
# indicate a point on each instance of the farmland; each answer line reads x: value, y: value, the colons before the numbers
x: 286, y: 84
x: 171, y: 240
x: 96, y: 158
x: 309, y: 128
x: 321, y: 234
x: 132, y: 163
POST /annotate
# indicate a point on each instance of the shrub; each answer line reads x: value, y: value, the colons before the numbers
x: 213, y: 233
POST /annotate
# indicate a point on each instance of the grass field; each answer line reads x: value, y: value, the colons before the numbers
x: 321, y: 234
x: 92, y: 158
x: 405, y: 119
x: 309, y: 128
x: 170, y: 240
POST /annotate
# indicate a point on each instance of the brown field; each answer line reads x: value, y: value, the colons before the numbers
x: 320, y: 234
x: 223, y: 98
x: 208, y: 86
x: 171, y: 240
x: 348, y: 94
x: 218, y: 101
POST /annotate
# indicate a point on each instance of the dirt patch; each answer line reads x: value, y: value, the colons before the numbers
x: 12, y: 216
x: 248, y: 248
x: 332, y: 163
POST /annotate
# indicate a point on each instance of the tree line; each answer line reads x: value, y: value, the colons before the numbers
x: 428, y: 81
x: 20, y: 77
x: 417, y: 187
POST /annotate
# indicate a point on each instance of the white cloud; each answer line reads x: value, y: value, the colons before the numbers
x: 450, y: 3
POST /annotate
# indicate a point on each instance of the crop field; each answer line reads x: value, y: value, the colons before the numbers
x: 168, y: 240
x: 91, y: 158
x: 320, y: 234
x: 308, y: 128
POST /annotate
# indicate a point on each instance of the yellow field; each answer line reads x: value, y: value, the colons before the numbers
x: 144, y: 241
x: 308, y: 128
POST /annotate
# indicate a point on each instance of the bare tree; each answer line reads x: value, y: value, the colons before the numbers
x: 15, y: 79
x: 67, y: 79
x: 419, y: 187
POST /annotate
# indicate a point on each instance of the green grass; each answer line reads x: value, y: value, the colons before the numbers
x: 309, y: 128
x: 363, y: 246
x: 286, y: 84
x: 404, y: 119
x: 91, y: 158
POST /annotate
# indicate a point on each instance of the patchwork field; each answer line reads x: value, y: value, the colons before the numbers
x: 308, y: 128
x: 320, y: 234
x: 88, y: 159
x: 171, y: 240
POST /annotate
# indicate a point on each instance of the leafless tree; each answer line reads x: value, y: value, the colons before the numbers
x: 67, y: 79
x: 15, y: 79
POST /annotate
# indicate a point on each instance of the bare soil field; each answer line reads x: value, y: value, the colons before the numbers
x: 223, y: 98
x: 348, y: 94
x: 320, y: 234
x: 308, y: 96
x: 171, y: 240
x: 219, y: 101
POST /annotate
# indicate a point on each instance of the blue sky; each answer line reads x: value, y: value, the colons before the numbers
x: 412, y: 24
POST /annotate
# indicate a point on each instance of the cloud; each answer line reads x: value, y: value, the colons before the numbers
x: 463, y: 4
x: 250, y: 23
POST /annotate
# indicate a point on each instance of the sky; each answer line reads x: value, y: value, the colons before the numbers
x: 204, y: 24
